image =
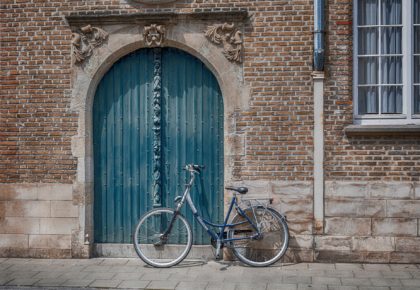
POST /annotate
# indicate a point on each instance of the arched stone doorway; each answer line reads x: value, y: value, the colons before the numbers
x: 154, y: 111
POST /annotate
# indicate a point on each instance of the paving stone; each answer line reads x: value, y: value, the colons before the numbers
x: 77, y: 282
x: 368, y: 274
x: 325, y: 281
x: 336, y: 287
x: 397, y: 274
x: 161, y: 285
x: 75, y: 275
x: 411, y: 282
x: 278, y: 286
x: 136, y: 284
x: 296, y: 280
x: 373, y: 288
x: 191, y: 285
x: 23, y: 282
x: 250, y: 286
x: 100, y: 275
x: 5, y: 280
x: 114, y: 262
x: 155, y: 277
x: 221, y: 286
x: 48, y: 275
x: 385, y: 282
x: 405, y: 288
x: 356, y: 281
x: 339, y: 274
x: 50, y: 282
x: 128, y: 276
x: 182, y: 277
x: 345, y: 266
x: 376, y: 267
x: 311, y: 286
x: 105, y: 283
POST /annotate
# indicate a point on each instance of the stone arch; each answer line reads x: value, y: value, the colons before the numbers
x: 122, y: 40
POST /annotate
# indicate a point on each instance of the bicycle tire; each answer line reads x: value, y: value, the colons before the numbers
x: 147, y: 234
x: 267, y: 249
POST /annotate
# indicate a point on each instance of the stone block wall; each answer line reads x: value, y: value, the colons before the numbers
x: 37, y: 220
x: 370, y: 222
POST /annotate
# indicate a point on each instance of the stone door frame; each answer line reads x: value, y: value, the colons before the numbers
x: 123, y: 39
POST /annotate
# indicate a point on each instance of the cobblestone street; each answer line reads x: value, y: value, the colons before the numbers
x: 195, y: 275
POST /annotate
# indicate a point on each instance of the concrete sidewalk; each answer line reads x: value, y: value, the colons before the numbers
x: 133, y: 274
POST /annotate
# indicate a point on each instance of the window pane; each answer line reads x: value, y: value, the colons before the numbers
x: 417, y: 69
x: 368, y: 70
x: 391, y: 99
x: 391, y: 12
x: 368, y: 100
x: 416, y: 99
x: 368, y: 41
x: 416, y: 11
x: 367, y: 12
x: 391, y: 72
x: 417, y: 39
x: 391, y: 40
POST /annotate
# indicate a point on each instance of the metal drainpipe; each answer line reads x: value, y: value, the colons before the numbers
x: 318, y: 91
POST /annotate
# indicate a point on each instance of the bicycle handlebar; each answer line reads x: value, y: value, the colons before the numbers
x: 194, y: 167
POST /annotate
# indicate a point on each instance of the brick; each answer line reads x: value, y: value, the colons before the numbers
x: 355, y: 208
x: 348, y: 226
x: 57, y: 226
x: 373, y: 244
x: 394, y: 227
x: 64, y: 209
x: 13, y: 241
x: 403, y: 208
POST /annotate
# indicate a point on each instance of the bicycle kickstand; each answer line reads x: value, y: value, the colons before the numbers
x: 218, y: 250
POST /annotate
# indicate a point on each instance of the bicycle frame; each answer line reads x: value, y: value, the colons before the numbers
x: 205, y: 223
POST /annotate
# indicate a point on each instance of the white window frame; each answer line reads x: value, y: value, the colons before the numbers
x: 407, y: 116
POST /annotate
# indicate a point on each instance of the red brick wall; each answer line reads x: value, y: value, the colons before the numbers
x: 36, y: 65
x: 387, y: 158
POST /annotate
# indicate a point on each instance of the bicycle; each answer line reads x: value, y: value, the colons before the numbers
x: 258, y: 235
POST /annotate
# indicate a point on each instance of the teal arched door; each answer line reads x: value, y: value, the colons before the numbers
x: 189, y: 118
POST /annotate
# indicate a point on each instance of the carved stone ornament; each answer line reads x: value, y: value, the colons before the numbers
x: 230, y: 37
x: 85, y: 40
x: 154, y: 35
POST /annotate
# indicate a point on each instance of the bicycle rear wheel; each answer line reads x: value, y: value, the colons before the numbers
x: 150, y: 246
x: 266, y: 249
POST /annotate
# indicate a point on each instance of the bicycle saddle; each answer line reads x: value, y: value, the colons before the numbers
x: 241, y: 190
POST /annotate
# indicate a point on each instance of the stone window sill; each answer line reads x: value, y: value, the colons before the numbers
x: 382, y: 130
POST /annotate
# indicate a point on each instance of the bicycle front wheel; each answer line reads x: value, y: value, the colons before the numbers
x: 268, y: 247
x: 159, y: 251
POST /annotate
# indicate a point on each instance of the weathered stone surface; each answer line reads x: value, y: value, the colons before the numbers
x: 395, y: 190
x: 12, y: 240
x: 331, y: 256
x: 405, y: 257
x: 28, y: 208
x: 53, y: 191
x: 19, y: 225
x: 417, y: 190
x: 292, y: 190
x: 57, y: 226
x: 355, y: 208
x: 300, y: 226
x: 344, y: 226
x: 301, y: 241
x: 235, y: 144
x: 345, y: 189
x: 18, y: 191
x: 408, y: 244
x: 333, y: 243
x: 50, y: 241
x: 294, y: 208
x: 64, y: 209
x: 373, y: 244
x: 403, y: 208
x: 394, y: 227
